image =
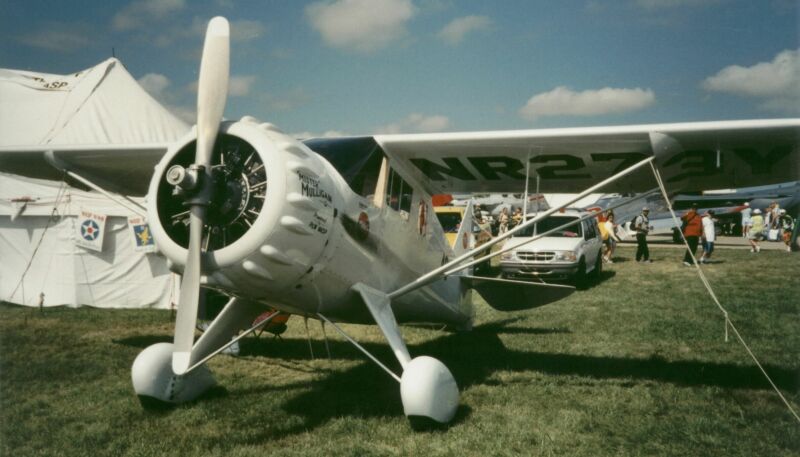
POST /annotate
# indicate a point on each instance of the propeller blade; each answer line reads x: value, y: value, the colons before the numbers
x: 186, y: 320
x: 212, y: 88
x: 211, y: 95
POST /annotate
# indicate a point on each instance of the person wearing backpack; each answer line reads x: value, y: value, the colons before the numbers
x: 642, y: 226
x: 692, y: 229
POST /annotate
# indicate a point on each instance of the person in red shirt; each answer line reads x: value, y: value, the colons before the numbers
x: 692, y: 230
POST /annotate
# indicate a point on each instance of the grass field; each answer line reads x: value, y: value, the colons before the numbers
x: 635, y: 365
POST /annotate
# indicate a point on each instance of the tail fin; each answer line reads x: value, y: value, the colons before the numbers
x: 464, y: 238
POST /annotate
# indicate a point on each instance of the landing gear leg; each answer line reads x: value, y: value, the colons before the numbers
x: 152, y: 375
x: 427, y: 388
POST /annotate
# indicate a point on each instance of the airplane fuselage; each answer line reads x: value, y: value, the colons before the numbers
x: 307, y: 238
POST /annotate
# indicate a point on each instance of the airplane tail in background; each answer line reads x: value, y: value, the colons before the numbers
x: 464, y: 239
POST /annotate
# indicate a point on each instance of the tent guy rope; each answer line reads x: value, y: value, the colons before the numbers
x: 710, y: 290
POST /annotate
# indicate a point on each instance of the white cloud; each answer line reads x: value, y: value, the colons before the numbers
x: 764, y: 79
x: 454, y: 32
x: 416, y: 123
x: 241, y: 31
x: 563, y: 101
x: 59, y: 37
x: 666, y: 4
x: 140, y: 13
x: 360, y: 25
x: 246, y: 30
x: 775, y: 83
x: 156, y: 85
x: 239, y: 86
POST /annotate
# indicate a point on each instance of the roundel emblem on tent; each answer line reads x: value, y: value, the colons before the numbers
x: 90, y: 230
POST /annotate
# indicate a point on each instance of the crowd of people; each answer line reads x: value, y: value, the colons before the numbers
x: 773, y: 224
x: 699, y: 230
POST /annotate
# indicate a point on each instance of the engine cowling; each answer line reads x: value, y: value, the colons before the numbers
x: 270, y: 215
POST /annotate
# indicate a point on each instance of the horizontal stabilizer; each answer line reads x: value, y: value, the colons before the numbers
x: 508, y: 295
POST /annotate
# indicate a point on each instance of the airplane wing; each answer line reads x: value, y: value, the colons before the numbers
x: 125, y: 168
x: 690, y: 156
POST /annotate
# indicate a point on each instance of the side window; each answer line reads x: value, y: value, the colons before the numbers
x: 399, y: 193
x: 591, y: 229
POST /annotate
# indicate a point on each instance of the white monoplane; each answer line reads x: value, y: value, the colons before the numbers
x: 341, y: 229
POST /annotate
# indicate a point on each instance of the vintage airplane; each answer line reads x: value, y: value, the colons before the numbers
x: 341, y: 230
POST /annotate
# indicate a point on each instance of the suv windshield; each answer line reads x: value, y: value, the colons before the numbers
x: 552, y: 222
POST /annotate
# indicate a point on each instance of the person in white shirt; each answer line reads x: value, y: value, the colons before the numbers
x: 709, y: 236
x: 747, y: 222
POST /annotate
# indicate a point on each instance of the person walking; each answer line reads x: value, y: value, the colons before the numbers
x: 776, y: 215
x: 747, y: 213
x: 504, y: 220
x: 787, y: 225
x: 692, y: 230
x: 756, y: 231
x: 516, y: 218
x: 610, y: 238
x: 768, y: 219
x: 642, y: 226
x: 709, y: 236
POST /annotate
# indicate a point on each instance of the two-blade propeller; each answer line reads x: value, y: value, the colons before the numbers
x: 211, y: 95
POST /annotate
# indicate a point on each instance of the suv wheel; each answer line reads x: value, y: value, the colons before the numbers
x: 580, y: 275
x: 598, y: 266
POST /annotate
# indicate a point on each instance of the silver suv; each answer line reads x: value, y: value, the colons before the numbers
x: 570, y: 253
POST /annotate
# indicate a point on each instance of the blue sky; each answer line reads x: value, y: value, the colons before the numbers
x: 370, y: 66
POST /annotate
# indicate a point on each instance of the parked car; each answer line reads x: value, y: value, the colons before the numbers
x: 571, y: 252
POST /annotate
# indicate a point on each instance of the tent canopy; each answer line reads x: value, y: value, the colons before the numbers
x: 97, y: 106
x: 99, y: 117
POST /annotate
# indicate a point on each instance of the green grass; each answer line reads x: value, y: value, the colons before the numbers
x: 634, y: 365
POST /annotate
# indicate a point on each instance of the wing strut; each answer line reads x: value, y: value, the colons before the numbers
x: 121, y: 200
x: 441, y: 271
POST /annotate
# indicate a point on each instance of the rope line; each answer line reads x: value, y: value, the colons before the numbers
x: 61, y: 192
x: 707, y: 285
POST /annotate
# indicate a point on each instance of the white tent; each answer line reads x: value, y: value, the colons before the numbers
x: 99, y: 105
x: 39, y: 253
x: 102, y: 105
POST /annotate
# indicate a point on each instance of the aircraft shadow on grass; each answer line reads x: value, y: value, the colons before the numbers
x: 366, y: 391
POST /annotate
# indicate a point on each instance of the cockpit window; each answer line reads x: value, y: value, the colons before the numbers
x: 450, y: 221
x: 551, y: 222
x: 399, y: 193
x: 357, y: 159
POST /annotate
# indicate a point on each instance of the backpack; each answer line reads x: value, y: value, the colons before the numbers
x: 633, y: 222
